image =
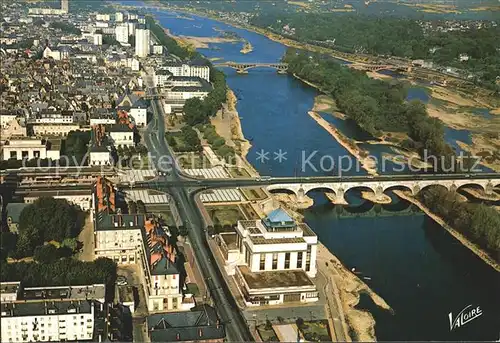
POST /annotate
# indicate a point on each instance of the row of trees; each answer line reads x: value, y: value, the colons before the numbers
x: 189, y: 138
x: 217, y: 142
x: 76, y: 145
x: 168, y: 42
x: 61, y: 273
x: 375, y: 105
x: 395, y: 37
x: 197, y: 111
x: 478, y: 222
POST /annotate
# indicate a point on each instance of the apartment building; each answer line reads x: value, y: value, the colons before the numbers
x: 67, y: 313
x: 191, y: 69
x: 142, y: 42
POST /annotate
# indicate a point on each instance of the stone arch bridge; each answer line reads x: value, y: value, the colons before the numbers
x: 377, y: 67
x: 378, y: 187
x: 243, y: 67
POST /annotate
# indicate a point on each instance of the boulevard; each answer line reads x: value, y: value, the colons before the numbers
x: 235, y: 324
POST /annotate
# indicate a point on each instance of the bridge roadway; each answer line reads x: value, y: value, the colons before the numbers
x: 356, y: 181
x: 243, y: 66
x: 236, y: 327
x: 194, y: 184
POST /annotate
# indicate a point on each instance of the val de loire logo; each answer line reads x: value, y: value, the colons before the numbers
x: 468, y: 314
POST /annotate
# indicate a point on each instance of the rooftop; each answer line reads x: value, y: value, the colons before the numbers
x: 96, y: 291
x: 275, y: 279
x: 201, y: 323
x: 263, y: 240
x: 38, y: 308
x: 230, y: 240
x: 306, y: 230
x: 9, y: 287
x: 119, y: 128
x: 279, y: 215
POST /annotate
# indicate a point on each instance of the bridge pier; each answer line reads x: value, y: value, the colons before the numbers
x: 375, y: 198
x: 488, y: 190
x: 242, y: 71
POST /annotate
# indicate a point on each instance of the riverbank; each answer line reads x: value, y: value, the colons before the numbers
x: 350, y: 287
x: 461, y: 238
x: 228, y: 125
x: 194, y: 42
x: 367, y: 164
x: 346, y: 285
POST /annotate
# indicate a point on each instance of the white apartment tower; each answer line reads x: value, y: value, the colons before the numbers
x: 121, y: 33
x: 142, y: 42
x: 119, y: 16
x: 65, y: 6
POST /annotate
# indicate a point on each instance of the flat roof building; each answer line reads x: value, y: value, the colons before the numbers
x: 273, y: 259
x: 53, y: 313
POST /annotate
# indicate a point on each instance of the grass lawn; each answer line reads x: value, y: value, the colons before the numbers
x: 225, y: 215
x: 316, y: 330
x: 254, y: 194
x: 267, y: 335
x: 249, y: 212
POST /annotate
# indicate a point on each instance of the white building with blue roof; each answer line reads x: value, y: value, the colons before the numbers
x: 272, y: 260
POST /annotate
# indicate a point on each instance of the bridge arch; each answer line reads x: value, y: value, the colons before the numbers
x: 431, y: 185
x: 398, y: 187
x: 290, y: 189
x: 471, y: 185
x: 359, y: 188
x: 320, y: 188
x: 244, y: 66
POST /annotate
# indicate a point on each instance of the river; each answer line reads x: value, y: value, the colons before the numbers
x: 422, y: 272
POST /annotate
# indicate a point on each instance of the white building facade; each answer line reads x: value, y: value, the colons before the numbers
x: 50, y: 313
x: 121, y: 33
x: 273, y: 260
x: 183, y: 69
x: 121, y: 135
x: 27, y: 148
x: 142, y: 42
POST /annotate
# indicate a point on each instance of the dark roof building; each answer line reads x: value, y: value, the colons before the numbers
x: 200, y: 324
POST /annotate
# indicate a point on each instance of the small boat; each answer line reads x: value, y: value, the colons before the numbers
x: 367, y: 278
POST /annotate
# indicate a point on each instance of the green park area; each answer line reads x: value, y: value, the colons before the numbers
x: 225, y: 216
x: 254, y: 194
x: 267, y: 333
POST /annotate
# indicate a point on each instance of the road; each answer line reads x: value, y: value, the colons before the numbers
x: 235, y: 324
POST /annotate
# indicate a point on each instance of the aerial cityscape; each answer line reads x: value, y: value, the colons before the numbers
x: 250, y: 170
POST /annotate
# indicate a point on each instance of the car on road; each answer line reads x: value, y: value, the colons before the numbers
x: 121, y: 280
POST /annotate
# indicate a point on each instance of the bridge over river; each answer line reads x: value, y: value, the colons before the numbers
x: 338, y: 186
x: 242, y: 67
